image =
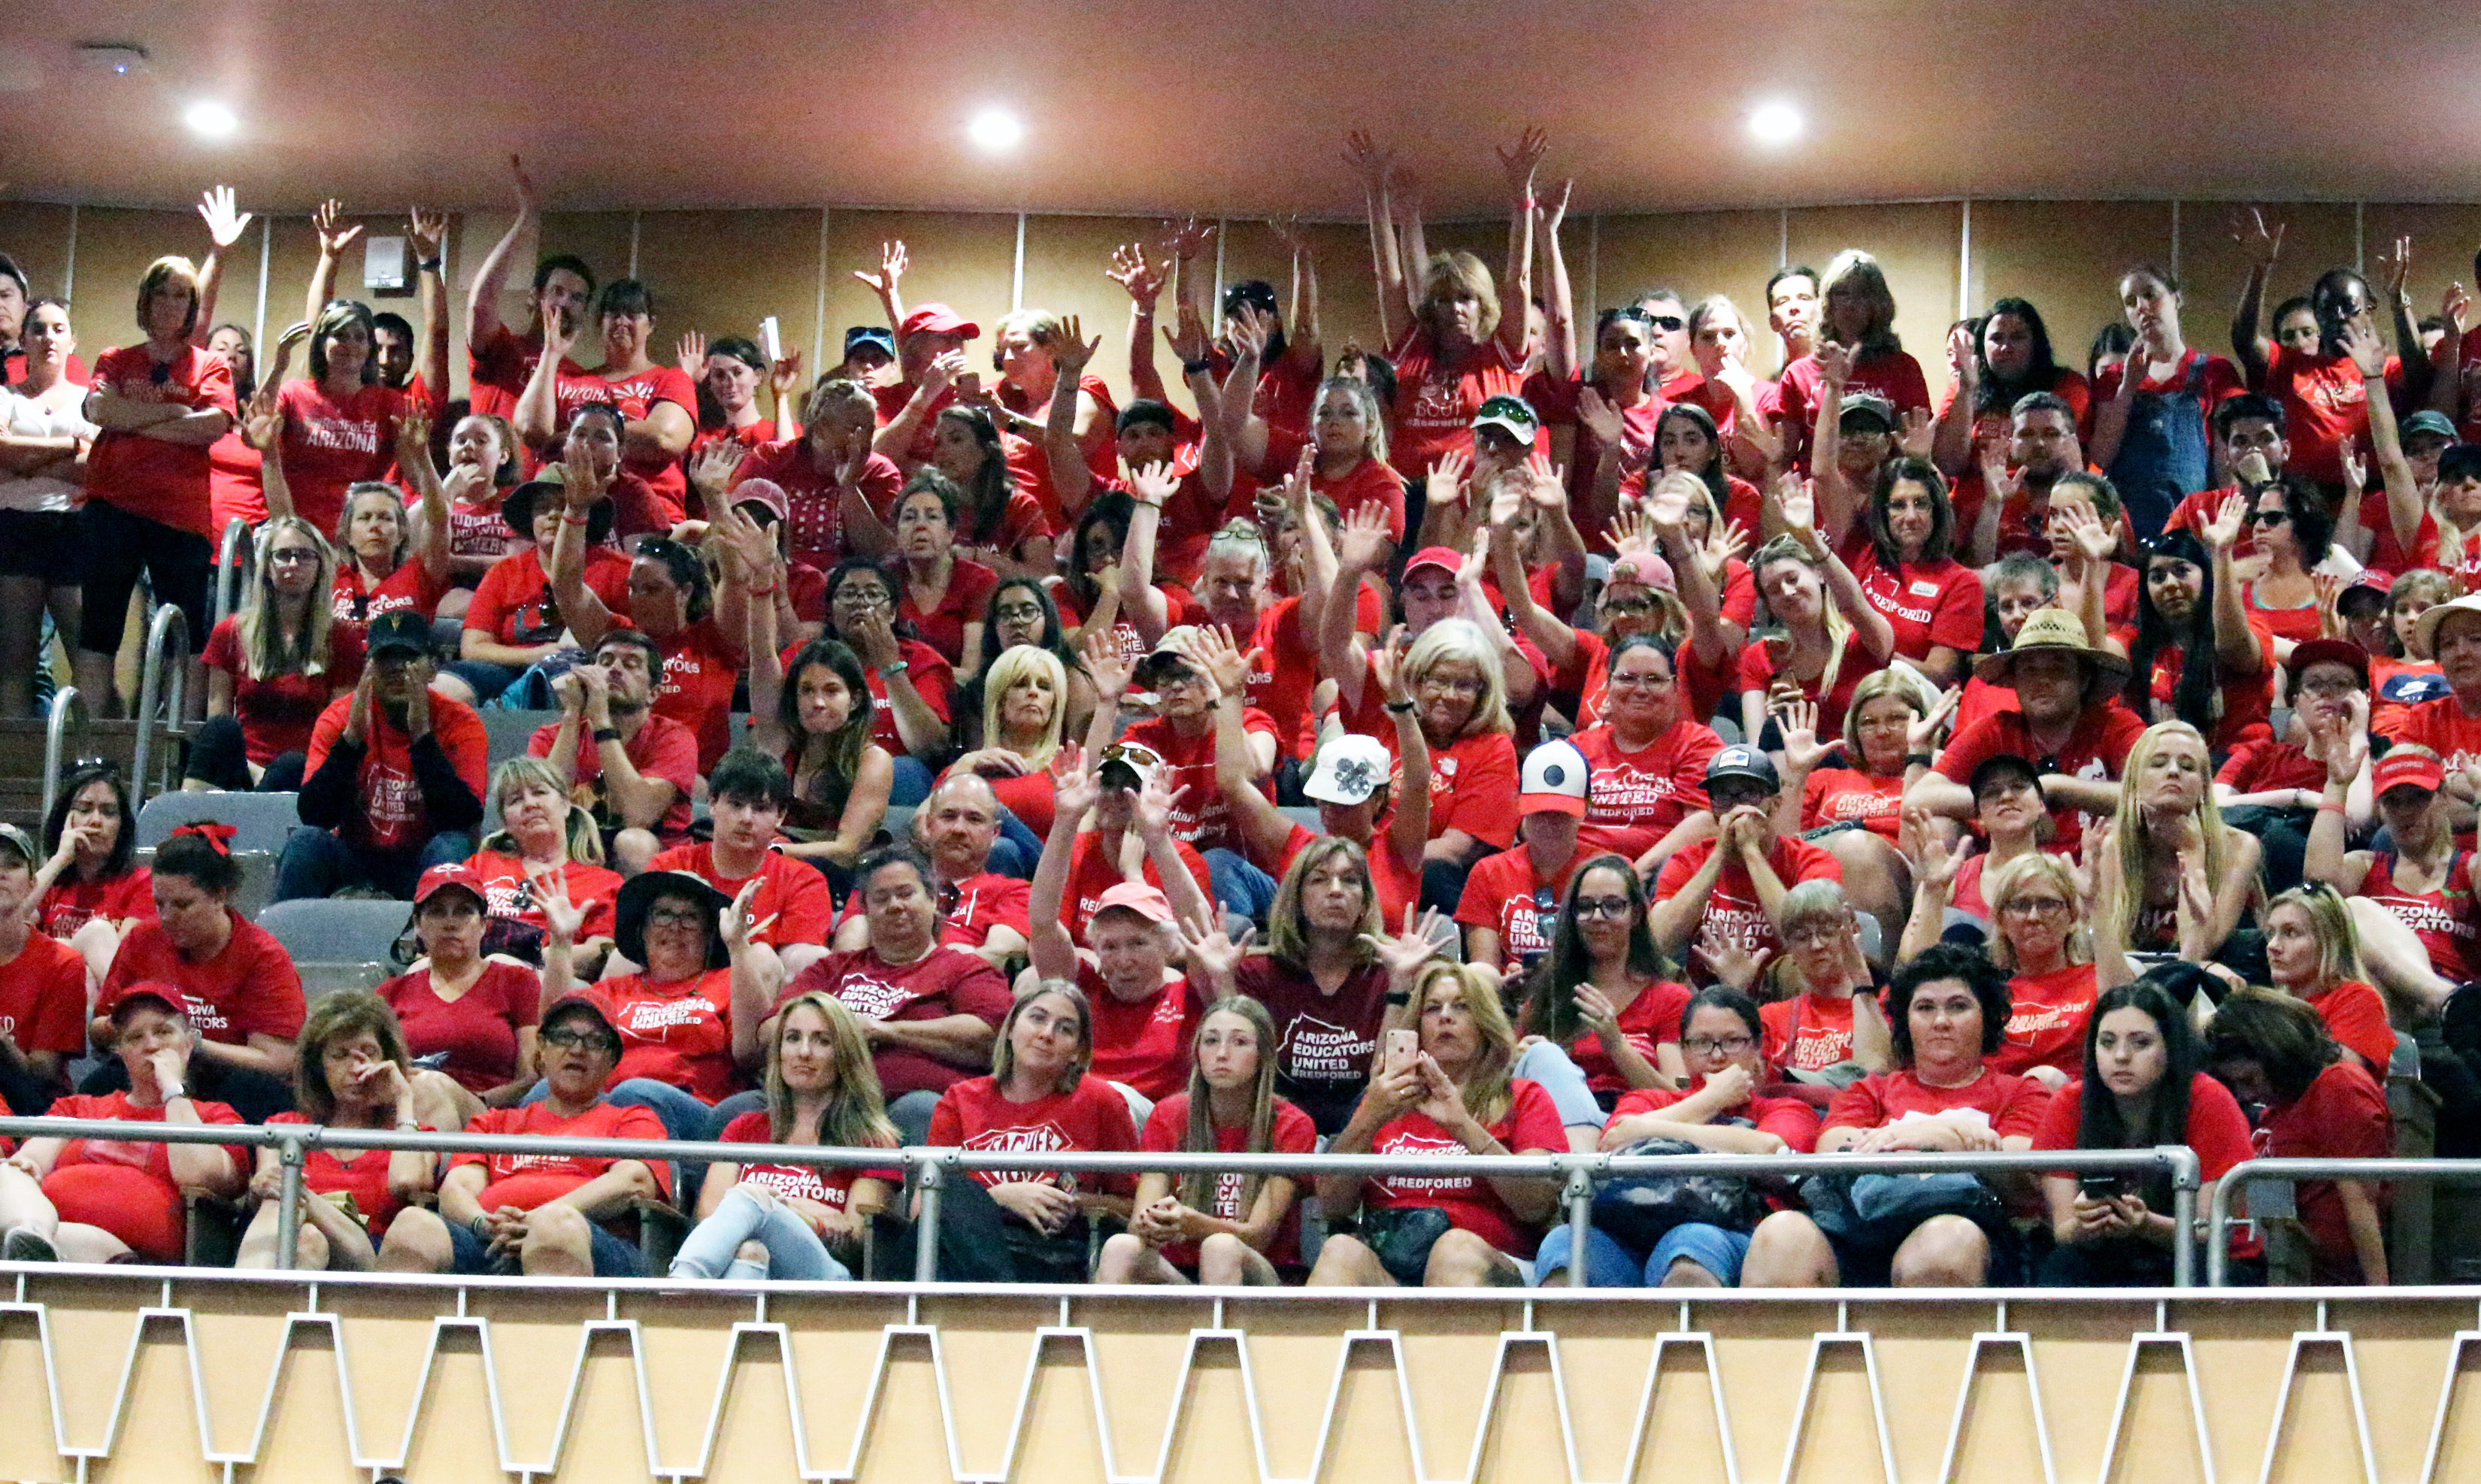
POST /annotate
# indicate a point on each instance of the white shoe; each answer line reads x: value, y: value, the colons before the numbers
x: 25, y: 1244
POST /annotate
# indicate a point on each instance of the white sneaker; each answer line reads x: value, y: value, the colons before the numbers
x: 25, y: 1244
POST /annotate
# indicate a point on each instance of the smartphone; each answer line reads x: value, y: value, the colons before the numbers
x: 770, y: 340
x: 1403, y: 1048
x: 2100, y: 1188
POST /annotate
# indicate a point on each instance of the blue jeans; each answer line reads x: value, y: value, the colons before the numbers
x: 612, y: 1257
x: 1240, y: 887
x: 317, y: 863
x: 1549, y: 1064
x: 1611, y: 1265
x: 912, y: 784
x: 1016, y: 850
x: 793, y: 1251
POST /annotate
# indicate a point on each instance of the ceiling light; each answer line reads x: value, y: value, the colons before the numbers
x: 1775, y: 124
x: 995, y: 129
x: 210, y: 120
x: 118, y: 58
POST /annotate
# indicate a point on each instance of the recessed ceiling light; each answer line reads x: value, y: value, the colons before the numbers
x: 995, y: 129
x: 118, y: 58
x: 210, y: 120
x: 1775, y: 124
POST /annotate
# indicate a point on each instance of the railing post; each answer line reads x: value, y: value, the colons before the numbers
x: 67, y: 702
x: 288, y: 1201
x: 168, y: 625
x: 2218, y: 1225
x: 1580, y: 1196
x: 228, y: 573
x: 925, y: 1221
x: 2183, y: 1216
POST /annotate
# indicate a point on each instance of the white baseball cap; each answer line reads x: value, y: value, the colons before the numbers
x: 1350, y: 769
x: 1554, y: 780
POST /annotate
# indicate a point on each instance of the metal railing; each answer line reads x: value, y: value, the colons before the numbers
x: 232, y: 569
x: 168, y: 646
x: 928, y: 1167
x: 2384, y: 1170
x: 67, y: 703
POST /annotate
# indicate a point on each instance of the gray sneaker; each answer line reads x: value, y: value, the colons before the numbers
x: 25, y: 1244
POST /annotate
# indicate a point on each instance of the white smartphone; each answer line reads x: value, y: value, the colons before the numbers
x: 770, y: 340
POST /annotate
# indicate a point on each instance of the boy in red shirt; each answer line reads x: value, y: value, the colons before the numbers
x: 750, y: 792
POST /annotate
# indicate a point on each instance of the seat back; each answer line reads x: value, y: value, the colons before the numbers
x: 260, y: 822
x: 337, y: 944
x: 510, y: 731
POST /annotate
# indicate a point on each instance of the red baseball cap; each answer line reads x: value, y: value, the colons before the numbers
x: 153, y: 991
x: 2329, y: 651
x: 2415, y: 766
x: 455, y: 874
x: 1436, y: 556
x: 591, y: 1000
x: 937, y: 319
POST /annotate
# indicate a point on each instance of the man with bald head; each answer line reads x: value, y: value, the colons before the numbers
x: 980, y: 911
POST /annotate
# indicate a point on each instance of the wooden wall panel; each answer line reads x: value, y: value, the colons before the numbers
x: 1917, y: 245
x: 965, y: 261
x: 2444, y: 241
x: 37, y: 235
x: 1695, y: 253
x: 1348, y: 285
x: 1064, y: 259
x: 2213, y: 269
x: 2067, y: 258
x: 719, y: 272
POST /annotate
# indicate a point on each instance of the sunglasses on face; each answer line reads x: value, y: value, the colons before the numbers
x: 1666, y: 322
x: 2268, y: 517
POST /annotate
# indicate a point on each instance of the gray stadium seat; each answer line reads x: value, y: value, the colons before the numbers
x: 338, y: 943
x: 510, y: 730
x: 897, y: 826
x: 258, y: 877
x: 260, y: 822
x: 1306, y: 815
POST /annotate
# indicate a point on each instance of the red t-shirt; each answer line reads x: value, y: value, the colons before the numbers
x: 499, y: 367
x: 42, y: 997
x: 1893, y: 374
x: 1323, y: 1042
x: 1787, y: 1119
x: 2299, y: 624
x: 165, y: 482
x: 1435, y: 405
x: 513, y: 601
x: 1368, y: 483
x: 1508, y: 895
x: 250, y: 988
x: 509, y: 891
x: 1200, y: 814
x: 2097, y: 750
x: 701, y: 666
x: 1733, y: 913
x: 637, y: 395
x: 1638, y: 797
x: 1286, y: 675
x: 1650, y: 1019
x: 2325, y: 407
x: 477, y: 1030
x: 2262, y: 766
x: 331, y: 442
x: 970, y: 586
x: 276, y: 713
x: 234, y: 491
x: 1995, y: 422
x: 1092, y: 1117
x: 831, y: 1188
x: 479, y: 530
x: 361, y: 1174
x: 1929, y: 603
x: 2216, y: 1130
x: 1143, y: 1043
x: 2046, y: 1021
x: 1557, y: 401
x: 395, y: 817
x: 2446, y: 919
x: 1292, y: 1133
x: 2441, y: 726
x: 663, y: 749
x: 71, y: 904
x: 355, y: 599
x: 531, y: 1179
x: 790, y: 891
x: 2355, y: 1017
x: 1844, y: 796
x: 128, y: 1187
x: 816, y: 512
x: 1529, y: 1126
x: 945, y: 981
x: 2341, y: 1116
x: 2246, y: 699
x: 1472, y: 786
x: 2015, y: 1103
x: 1807, y: 1032
x: 1758, y: 673
x: 1091, y: 873
x: 678, y: 1033
x: 977, y: 905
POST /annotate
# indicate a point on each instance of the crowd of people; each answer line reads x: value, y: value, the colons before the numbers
x: 1699, y: 760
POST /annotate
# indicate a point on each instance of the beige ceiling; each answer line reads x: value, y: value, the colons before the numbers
x: 1237, y: 106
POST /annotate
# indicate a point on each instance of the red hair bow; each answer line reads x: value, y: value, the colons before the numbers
x: 219, y: 835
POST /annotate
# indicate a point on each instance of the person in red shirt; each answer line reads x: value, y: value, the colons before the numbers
x: 273, y: 667
x: 91, y: 889
x: 392, y: 557
x: 806, y: 1223
x: 515, y: 620
x: 2312, y: 1102
x: 2033, y: 909
x: 1994, y: 362
x: 2413, y: 908
x: 1031, y: 1226
x: 1018, y: 711
x: 1718, y: 898
x: 340, y: 422
x: 943, y: 594
x: 42, y: 989
x: 2320, y: 389
x: 478, y: 1013
x: 1832, y: 1015
x: 395, y: 776
x: 1181, y: 734
x: 542, y: 834
x: 1603, y: 993
x: 637, y: 769
x: 353, y: 1071
x: 910, y: 683
x: 2313, y: 955
x: 1878, y: 763
x: 91, y: 1201
x: 2450, y: 725
x: 1511, y: 902
x: 727, y: 374
x: 982, y: 911
x: 1901, y: 553
x: 500, y: 359
x: 1832, y: 636
x: 545, y: 1216
x: 793, y: 911
x: 1451, y: 1094
x: 158, y: 406
x: 1717, y: 1108
x: 1143, y: 1010
x: 1857, y: 314
x: 931, y: 342
x: 998, y: 523
x: 830, y: 477
x: 1601, y: 441
x: 657, y: 405
x: 1943, y: 1097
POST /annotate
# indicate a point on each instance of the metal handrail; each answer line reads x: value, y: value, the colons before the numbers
x: 65, y: 703
x: 2218, y: 1219
x: 169, y: 635
x: 229, y: 572
x: 1578, y: 1173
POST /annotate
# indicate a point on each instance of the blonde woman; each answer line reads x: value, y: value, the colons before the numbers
x: 2169, y: 876
x: 1459, y: 689
x: 544, y: 838
x: 1025, y: 707
x: 1222, y: 1230
x: 1454, y: 1093
x: 1021, y: 353
x: 1831, y: 635
x: 2035, y: 910
x: 1856, y: 317
x: 801, y: 1222
x: 2313, y: 955
x: 273, y: 667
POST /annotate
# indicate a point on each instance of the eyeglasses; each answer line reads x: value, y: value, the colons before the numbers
x: 1646, y: 680
x: 2268, y: 517
x: 1707, y: 1046
x: 1019, y: 612
x: 1447, y: 685
x: 2327, y: 687
x: 1812, y: 935
x: 566, y: 1038
x: 1666, y: 322
x: 1603, y: 907
x: 2035, y: 906
x: 669, y: 917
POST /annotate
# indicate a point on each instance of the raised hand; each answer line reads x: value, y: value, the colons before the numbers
x: 1250, y: 331
x: 1732, y: 964
x: 428, y: 231
x: 1723, y: 542
x: 2261, y: 244
x: 2360, y: 341
x: 944, y: 371
x: 1155, y: 805
x: 1130, y: 270
x: 412, y: 435
x: 2096, y: 538
x: 1667, y: 503
x: 735, y: 924
x: 1387, y: 666
x: 1073, y: 786
x: 1547, y: 484
x: 562, y: 918
x: 2394, y: 265
x: 1154, y: 483
x: 1446, y: 479
x: 334, y: 235
x: 712, y: 470
x: 891, y: 267
x: 1362, y: 541
x: 2455, y: 310
x: 1365, y: 159
x: 1923, y: 731
x: 1408, y: 951
x: 688, y: 352
x: 2330, y: 596
x: 1213, y: 651
x: 1963, y: 363
x: 262, y: 421
x: 1100, y: 649
x: 1938, y: 865
x: 1798, y: 507
x: 1555, y: 211
x: 1209, y: 949
x: 748, y: 543
x: 1631, y: 532
x: 1601, y: 419
x: 225, y: 220
x: 1834, y: 363
x: 784, y: 377
x: 1522, y: 160
x: 1919, y: 431
x: 2221, y: 534
x: 1185, y: 240
x: 1187, y: 335
x: 1071, y: 351
x: 1797, y: 720
x: 527, y: 202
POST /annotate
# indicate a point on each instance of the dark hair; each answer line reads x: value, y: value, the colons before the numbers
x: 635, y: 639
x: 1873, y: 516
x: 2312, y: 526
x: 751, y: 776
x: 884, y: 856
x: 2296, y: 304
x: 332, y: 320
x: 557, y: 261
x: 625, y: 296
x: 197, y: 859
x: 620, y: 420
x: 1550, y: 1006
x: 2112, y: 339
x: 2198, y: 690
x: 686, y: 568
x: 1114, y: 509
x: 1380, y: 373
x: 1948, y: 961
x: 2041, y: 376
x: 2460, y: 462
x: 845, y: 571
x: 606, y: 1035
x: 741, y: 349
x: 2170, y: 284
x: 2098, y: 488
x: 1794, y: 270
x: 1718, y: 482
x: 124, y: 843
x: 1144, y: 410
x: 2286, y: 1037
x: 393, y: 323
x: 1670, y: 651
x: 2326, y: 301
x: 1262, y: 294
x: 931, y: 481
x: 1723, y: 997
x: 2247, y: 407
x: 985, y: 497
x: 2042, y: 402
x: 831, y: 785
x: 8, y: 268
x: 2098, y: 1123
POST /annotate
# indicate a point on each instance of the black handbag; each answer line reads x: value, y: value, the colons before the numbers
x: 1400, y: 1238
x: 1637, y: 1210
x: 1881, y: 1210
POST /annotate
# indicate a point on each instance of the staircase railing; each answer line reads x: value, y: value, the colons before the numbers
x: 232, y: 565
x: 167, y: 637
x: 68, y: 709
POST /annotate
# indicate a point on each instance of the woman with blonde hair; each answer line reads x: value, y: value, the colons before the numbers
x: 1857, y: 320
x: 1456, y: 682
x: 544, y: 836
x: 803, y: 1222
x: 1455, y: 1092
x: 1222, y: 1230
x: 1025, y: 708
x: 273, y: 667
x: 1831, y: 636
x: 2313, y: 955
x: 2034, y: 908
x: 2169, y: 876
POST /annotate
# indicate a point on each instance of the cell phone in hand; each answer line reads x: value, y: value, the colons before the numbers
x: 1403, y: 1049
x: 2100, y: 1187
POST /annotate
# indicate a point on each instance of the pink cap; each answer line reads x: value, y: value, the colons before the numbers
x: 1146, y: 901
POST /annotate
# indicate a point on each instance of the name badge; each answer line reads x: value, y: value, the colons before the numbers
x: 1922, y: 589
